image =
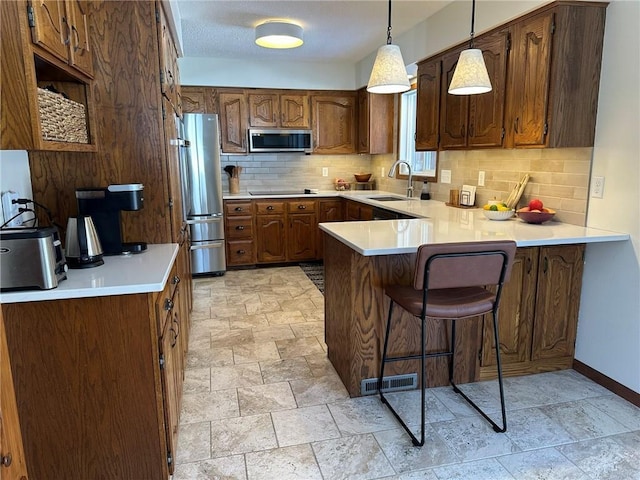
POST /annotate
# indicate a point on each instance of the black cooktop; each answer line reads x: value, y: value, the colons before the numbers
x: 280, y: 192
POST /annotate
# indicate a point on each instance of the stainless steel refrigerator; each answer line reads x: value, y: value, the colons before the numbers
x: 201, y: 176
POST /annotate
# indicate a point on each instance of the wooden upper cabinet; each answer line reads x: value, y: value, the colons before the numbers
x: 475, y: 120
x: 273, y: 110
x: 233, y: 122
x: 334, y: 123
x: 428, y: 107
x: 531, y: 68
x: 169, y: 75
x: 60, y: 28
x: 554, y: 74
x: 375, y: 122
x: 199, y: 99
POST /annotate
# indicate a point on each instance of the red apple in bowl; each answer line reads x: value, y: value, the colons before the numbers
x: 535, y: 204
x: 535, y: 216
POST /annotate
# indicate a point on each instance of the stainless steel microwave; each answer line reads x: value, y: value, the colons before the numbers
x: 280, y: 140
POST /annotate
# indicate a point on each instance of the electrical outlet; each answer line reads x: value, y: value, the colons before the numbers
x: 325, y: 171
x: 382, y: 172
x: 10, y: 210
x: 597, y: 187
x: 445, y: 176
x: 481, y: 178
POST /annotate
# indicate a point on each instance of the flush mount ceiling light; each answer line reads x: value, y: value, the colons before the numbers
x: 470, y: 76
x: 279, y: 35
x: 389, y: 74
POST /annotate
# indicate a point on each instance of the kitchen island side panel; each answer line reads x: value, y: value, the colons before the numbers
x: 87, y: 382
x: 356, y: 310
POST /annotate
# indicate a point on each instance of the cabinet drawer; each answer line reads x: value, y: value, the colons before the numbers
x: 239, y: 227
x: 269, y: 207
x: 240, y: 252
x: 301, y: 206
x: 238, y: 208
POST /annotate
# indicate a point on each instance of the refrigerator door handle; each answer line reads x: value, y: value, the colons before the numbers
x: 207, y: 246
x: 204, y: 220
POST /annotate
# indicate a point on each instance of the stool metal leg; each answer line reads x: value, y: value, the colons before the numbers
x: 456, y: 389
x: 383, y: 399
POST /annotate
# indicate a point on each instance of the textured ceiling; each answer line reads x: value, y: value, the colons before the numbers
x: 334, y: 31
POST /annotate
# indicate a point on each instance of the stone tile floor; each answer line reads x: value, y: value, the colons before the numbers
x: 262, y: 401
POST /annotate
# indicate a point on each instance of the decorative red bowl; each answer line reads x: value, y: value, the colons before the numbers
x: 362, y: 177
x: 535, y: 216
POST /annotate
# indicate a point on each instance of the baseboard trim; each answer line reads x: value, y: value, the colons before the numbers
x: 607, y: 382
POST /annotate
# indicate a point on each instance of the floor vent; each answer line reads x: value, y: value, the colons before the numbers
x: 395, y: 383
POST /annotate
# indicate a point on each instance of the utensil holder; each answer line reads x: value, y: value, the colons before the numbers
x: 234, y: 185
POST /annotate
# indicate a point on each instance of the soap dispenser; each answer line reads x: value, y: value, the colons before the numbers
x: 424, y: 195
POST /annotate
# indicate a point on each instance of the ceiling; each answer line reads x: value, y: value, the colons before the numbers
x: 334, y: 30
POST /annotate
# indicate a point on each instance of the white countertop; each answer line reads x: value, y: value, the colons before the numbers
x: 120, y: 275
x: 443, y: 224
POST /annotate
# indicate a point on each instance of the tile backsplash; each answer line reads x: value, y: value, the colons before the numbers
x: 559, y: 177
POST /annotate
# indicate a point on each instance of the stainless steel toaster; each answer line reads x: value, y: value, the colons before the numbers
x: 31, y: 258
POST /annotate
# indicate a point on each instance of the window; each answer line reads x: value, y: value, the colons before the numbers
x: 423, y: 164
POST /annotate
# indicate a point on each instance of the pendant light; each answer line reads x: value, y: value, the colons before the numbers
x: 470, y: 76
x: 389, y: 74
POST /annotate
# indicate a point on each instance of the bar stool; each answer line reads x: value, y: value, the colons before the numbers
x: 452, y: 281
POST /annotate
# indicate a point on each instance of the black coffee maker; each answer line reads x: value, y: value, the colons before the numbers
x: 104, y: 205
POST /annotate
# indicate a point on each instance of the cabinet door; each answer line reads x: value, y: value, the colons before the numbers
x: 455, y: 108
x: 558, y: 301
x: 363, y: 121
x: 294, y: 111
x: 80, y: 55
x: 334, y: 123
x: 11, y: 450
x: 263, y: 110
x: 233, y: 122
x: 486, y: 111
x: 169, y: 352
x: 531, y: 67
x: 329, y: 211
x: 271, y: 238
x: 428, y: 108
x: 352, y: 211
x: 193, y: 100
x: 49, y: 30
x: 302, y: 236
x: 515, y: 315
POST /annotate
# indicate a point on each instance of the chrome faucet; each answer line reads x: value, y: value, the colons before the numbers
x: 409, y: 184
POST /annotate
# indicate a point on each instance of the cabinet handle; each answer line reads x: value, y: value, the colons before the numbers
x: 174, y: 341
x: 168, y: 304
x: 463, y: 129
x: 471, y: 130
x: 545, y: 265
x: 6, y: 460
x: 302, y: 207
x: 270, y: 207
x: 528, y: 266
x: 75, y: 32
x: 240, y: 227
x: 239, y: 209
x: 515, y: 126
x: 241, y: 252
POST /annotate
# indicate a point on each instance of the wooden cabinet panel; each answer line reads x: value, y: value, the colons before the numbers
x: 239, y: 232
x: 301, y: 242
x: 233, y: 122
x: 239, y: 227
x: 294, y: 110
x: 557, y: 301
x: 238, y: 207
x: 428, y: 107
x: 334, y: 123
x: 240, y: 252
x: 11, y: 449
x: 358, y: 211
x: 199, y: 99
x: 264, y: 109
x: 49, y: 30
x: 375, y: 122
x: 486, y: 111
x: 329, y: 210
x: 271, y: 239
x: 270, y: 207
x: 515, y: 317
x: 454, y: 114
x: 169, y: 79
x: 80, y: 55
x: 531, y: 68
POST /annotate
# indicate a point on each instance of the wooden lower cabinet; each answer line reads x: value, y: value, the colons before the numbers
x: 329, y: 210
x: 538, y: 314
x: 358, y: 211
x: 97, y: 383
x: 271, y: 238
x: 239, y: 232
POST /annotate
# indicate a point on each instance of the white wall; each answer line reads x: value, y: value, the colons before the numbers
x: 15, y: 176
x: 609, y: 325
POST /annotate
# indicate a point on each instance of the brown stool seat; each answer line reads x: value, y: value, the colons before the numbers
x: 443, y: 302
x: 452, y: 282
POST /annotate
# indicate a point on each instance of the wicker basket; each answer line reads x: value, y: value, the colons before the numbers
x: 61, y: 119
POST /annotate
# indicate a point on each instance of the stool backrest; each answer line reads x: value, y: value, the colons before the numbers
x: 465, y: 264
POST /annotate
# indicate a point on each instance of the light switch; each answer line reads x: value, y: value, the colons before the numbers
x: 445, y: 176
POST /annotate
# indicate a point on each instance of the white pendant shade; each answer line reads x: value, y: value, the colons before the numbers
x: 279, y: 35
x: 389, y: 74
x: 470, y: 76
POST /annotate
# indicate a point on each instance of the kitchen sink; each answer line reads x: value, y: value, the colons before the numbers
x: 387, y: 199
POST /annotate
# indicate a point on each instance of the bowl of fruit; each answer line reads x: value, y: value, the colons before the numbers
x: 497, y: 211
x: 535, y: 212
